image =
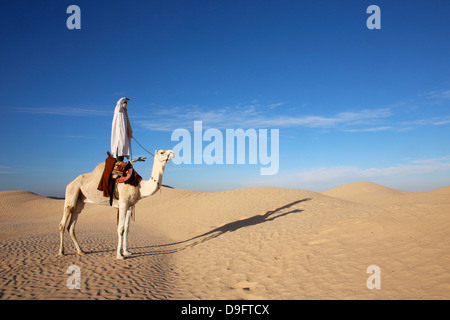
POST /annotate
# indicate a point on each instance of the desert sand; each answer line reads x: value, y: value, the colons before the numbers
x: 255, y: 243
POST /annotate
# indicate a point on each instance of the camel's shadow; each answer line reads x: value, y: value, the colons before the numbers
x: 229, y: 227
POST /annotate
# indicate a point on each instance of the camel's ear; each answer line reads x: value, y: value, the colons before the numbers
x: 156, y: 151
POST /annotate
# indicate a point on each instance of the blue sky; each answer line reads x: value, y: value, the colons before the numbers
x: 351, y: 104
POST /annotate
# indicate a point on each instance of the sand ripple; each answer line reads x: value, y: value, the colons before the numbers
x: 256, y: 243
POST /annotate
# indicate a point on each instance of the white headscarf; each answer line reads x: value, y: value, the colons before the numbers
x: 121, y: 132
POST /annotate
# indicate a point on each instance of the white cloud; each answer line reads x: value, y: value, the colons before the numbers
x: 256, y: 115
x: 6, y: 170
x: 319, y: 179
x: 64, y: 111
x: 374, y: 129
x: 314, y: 121
x: 440, y: 123
x: 437, y: 121
x: 276, y: 105
x: 355, y: 173
x: 440, y: 95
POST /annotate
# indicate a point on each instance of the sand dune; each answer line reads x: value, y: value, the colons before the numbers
x: 367, y: 192
x: 255, y: 243
x: 444, y: 191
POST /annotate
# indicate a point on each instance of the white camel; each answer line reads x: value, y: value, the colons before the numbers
x: 84, y: 190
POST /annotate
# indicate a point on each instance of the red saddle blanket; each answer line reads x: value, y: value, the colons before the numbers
x: 125, y: 172
x: 130, y: 177
x: 106, y: 183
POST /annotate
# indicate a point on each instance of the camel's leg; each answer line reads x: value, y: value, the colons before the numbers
x: 123, y: 208
x: 126, y: 253
x: 62, y: 226
x: 72, y: 193
x: 72, y: 223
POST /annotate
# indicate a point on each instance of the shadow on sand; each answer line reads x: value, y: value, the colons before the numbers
x: 229, y: 227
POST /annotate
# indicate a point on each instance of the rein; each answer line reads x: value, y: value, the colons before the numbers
x: 143, y: 147
x: 168, y: 157
x: 167, y: 160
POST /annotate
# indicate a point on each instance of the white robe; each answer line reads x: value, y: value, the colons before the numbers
x: 121, y: 132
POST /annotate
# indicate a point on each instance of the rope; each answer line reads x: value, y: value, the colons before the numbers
x: 143, y: 147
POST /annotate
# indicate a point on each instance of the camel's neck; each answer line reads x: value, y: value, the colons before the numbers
x: 151, y: 186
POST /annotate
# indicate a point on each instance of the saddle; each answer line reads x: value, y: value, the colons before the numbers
x: 120, y: 168
x: 117, y: 172
x: 130, y: 177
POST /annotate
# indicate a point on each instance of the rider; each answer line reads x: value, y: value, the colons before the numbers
x: 121, y: 132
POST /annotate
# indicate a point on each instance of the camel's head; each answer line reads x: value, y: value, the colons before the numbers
x: 164, y: 155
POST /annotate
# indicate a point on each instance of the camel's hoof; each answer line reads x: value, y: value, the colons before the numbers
x: 127, y: 254
x: 81, y: 253
x: 120, y: 257
x: 61, y: 254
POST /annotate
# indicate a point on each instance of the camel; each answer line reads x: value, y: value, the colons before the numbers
x: 84, y: 190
